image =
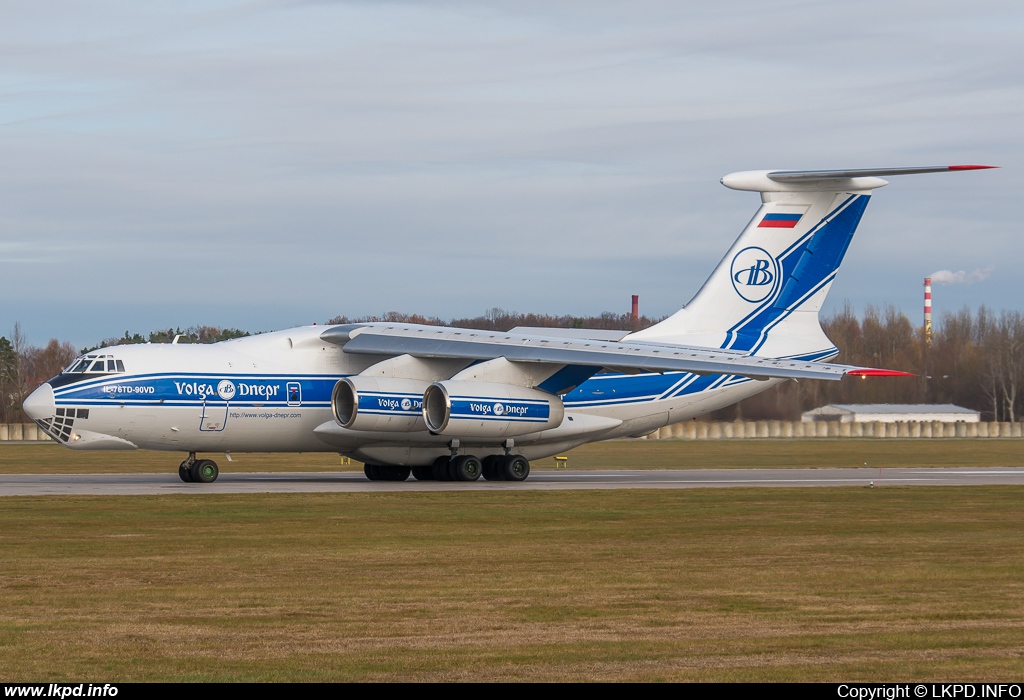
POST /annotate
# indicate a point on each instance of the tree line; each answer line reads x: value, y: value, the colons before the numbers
x: 24, y: 367
x: 497, y: 319
x: 975, y: 358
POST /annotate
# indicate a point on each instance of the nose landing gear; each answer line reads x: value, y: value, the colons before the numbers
x: 201, y: 471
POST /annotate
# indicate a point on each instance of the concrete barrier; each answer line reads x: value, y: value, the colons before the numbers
x: 733, y: 430
x: 785, y: 429
x: 22, y: 432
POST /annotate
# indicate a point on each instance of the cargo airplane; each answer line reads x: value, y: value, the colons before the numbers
x: 457, y: 404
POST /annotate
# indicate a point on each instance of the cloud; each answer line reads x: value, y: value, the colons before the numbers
x: 961, y: 277
x: 444, y: 158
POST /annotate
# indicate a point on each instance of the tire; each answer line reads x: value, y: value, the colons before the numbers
x: 204, y: 471
x: 371, y: 472
x: 184, y: 474
x: 516, y: 468
x: 394, y: 472
x: 492, y: 467
x: 441, y: 469
x: 423, y: 473
x: 451, y: 473
x: 466, y: 468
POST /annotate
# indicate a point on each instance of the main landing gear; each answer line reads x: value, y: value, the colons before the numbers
x: 458, y: 468
x: 385, y: 472
x: 202, y: 471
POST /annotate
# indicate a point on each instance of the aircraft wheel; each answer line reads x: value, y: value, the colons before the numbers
x: 423, y: 473
x: 184, y: 474
x: 371, y: 472
x: 466, y: 468
x: 516, y: 468
x: 204, y: 471
x: 492, y: 467
x: 440, y: 469
x: 393, y: 472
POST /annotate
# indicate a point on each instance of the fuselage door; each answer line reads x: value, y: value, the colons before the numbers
x: 213, y: 418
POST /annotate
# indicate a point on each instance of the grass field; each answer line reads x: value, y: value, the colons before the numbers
x: 617, y: 454
x: 921, y: 583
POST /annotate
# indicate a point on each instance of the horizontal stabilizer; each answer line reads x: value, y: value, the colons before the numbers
x: 808, y: 175
x: 856, y: 180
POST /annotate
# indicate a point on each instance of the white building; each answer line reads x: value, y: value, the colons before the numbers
x: 891, y: 413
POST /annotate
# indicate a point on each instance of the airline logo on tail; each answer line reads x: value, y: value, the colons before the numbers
x: 755, y: 274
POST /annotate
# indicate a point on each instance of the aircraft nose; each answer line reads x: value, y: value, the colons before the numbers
x: 40, y: 404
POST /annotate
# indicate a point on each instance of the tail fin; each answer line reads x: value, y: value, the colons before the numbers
x: 765, y: 295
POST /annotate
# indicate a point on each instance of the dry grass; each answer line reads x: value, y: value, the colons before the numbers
x: 616, y: 454
x: 737, y: 584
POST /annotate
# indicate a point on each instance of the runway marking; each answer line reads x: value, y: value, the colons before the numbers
x: 1007, y: 471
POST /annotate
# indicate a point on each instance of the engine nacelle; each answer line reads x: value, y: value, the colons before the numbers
x: 488, y: 410
x: 379, y: 403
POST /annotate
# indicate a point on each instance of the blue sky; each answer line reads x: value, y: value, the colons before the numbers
x: 268, y: 164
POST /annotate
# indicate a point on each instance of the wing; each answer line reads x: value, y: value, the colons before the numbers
x: 564, y: 348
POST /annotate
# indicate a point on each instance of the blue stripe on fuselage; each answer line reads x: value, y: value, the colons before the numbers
x: 615, y: 388
x: 196, y: 388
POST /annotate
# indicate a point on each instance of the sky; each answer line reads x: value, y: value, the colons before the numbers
x: 261, y: 165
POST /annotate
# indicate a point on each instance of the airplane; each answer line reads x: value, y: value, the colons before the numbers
x: 456, y: 404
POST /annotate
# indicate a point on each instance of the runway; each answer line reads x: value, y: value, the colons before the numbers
x: 540, y: 480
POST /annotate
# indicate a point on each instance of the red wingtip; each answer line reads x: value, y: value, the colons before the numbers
x: 867, y: 372
x: 972, y: 167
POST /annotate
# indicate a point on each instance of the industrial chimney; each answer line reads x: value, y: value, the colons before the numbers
x: 928, y: 311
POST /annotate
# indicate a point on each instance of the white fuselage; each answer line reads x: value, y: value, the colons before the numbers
x: 272, y: 393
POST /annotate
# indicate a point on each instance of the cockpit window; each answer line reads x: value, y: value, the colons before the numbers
x: 93, y: 364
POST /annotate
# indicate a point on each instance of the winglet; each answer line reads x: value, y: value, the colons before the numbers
x: 869, y: 372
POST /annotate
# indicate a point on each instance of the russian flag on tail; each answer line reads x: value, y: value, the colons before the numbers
x: 779, y: 220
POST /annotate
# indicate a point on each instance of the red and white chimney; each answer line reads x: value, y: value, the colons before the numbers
x: 928, y: 310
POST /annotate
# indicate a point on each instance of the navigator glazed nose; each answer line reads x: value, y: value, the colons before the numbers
x: 40, y: 404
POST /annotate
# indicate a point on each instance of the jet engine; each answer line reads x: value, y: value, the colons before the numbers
x: 488, y: 410
x: 379, y: 403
